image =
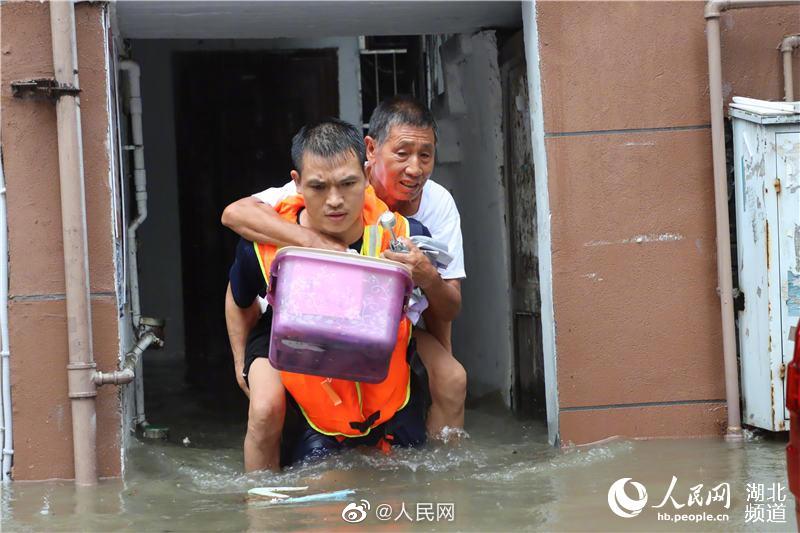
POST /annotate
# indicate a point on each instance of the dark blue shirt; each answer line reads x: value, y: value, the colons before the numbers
x: 247, y: 282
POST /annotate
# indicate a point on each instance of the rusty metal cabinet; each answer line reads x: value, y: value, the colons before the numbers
x: 766, y: 165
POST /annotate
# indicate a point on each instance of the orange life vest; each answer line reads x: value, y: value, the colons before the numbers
x: 340, y: 407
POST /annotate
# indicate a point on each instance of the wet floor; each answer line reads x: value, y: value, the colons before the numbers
x: 503, y: 477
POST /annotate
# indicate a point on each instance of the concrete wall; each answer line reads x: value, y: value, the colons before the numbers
x: 159, y: 237
x: 627, y: 148
x: 470, y: 164
x: 37, y: 310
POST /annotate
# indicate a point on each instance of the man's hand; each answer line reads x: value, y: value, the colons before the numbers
x: 239, y: 369
x: 259, y: 222
x: 444, y: 296
x: 240, y: 320
x: 423, y: 273
x: 315, y: 239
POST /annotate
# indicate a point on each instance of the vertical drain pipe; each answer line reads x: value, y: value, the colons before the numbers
x: 789, y: 43
x: 713, y: 11
x: 80, y: 370
x: 140, y: 184
x: 5, y: 353
x: 139, y: 180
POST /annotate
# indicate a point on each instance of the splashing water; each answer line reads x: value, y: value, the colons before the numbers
x: 498, y: 474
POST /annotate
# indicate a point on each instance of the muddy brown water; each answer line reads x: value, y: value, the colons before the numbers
x: 503, y: 477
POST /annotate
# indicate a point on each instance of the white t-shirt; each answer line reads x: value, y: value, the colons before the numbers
x: 437, y: 211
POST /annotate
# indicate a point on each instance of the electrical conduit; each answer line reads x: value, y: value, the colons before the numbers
x: 6, y: 426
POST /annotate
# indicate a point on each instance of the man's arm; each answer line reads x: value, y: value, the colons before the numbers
x: 240, y: 320
x: 444, y: 299
x: 259, y: 222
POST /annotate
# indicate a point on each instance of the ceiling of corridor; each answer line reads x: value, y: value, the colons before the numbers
x: 309, y: 19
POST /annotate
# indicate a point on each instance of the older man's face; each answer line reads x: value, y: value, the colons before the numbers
x: 402, y: 164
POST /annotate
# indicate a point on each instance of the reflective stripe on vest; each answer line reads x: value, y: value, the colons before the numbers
x: 359, y: 406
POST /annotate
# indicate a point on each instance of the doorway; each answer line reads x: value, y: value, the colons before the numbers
x: 528, y: 386
x: 219, y: 117
x: 235, y: 115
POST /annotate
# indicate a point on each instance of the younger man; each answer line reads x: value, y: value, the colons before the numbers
x: 334, y: 199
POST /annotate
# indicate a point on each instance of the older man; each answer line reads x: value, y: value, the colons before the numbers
x: 401, y: 150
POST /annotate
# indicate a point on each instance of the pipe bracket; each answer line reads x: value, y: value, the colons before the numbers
x: 42, y: 88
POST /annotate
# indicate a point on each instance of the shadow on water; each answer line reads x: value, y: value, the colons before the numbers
x: 504, y: 476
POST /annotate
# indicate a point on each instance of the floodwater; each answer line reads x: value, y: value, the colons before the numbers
x: 503, y: 477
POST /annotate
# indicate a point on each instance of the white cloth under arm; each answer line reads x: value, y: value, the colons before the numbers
x: 274, y: 195
x: 437, y: 212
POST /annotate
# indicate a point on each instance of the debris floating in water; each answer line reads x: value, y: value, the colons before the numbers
x: 276, y: 495
x: 274, y: 492
x: 334, y: 496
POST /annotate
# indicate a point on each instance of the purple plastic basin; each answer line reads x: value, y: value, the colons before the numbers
x: 335, y: 314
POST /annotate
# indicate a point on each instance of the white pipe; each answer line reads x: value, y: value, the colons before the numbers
x: 715, y: 8
x: 6, y: 425
x: 139, y: 180
x: 789, y: 43
x: 140, y: 184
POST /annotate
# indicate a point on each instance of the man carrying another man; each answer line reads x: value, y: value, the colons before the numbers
x: 334, y: 199
x: 400, y: 150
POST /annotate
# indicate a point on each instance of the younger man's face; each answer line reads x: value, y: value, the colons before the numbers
x: 333, y: 190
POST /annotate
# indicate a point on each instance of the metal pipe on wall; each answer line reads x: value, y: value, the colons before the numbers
x: 713, y: 11
x: 140, y: 184
x: 6, y: 425
x: 789, y: 43
x: 128, y: 370
x: 80, y: 370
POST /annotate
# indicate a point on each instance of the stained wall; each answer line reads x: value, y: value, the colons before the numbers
x: 37, y: 306
x: 627, y: 138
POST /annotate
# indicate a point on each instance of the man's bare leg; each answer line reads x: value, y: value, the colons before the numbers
x: 447, y: 380
x: 262, y: 444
